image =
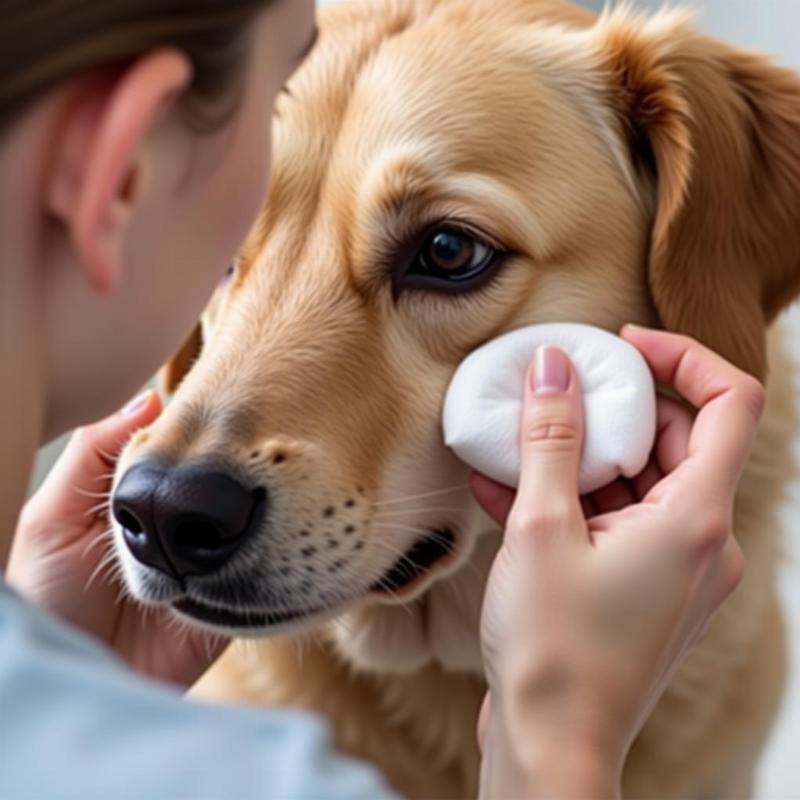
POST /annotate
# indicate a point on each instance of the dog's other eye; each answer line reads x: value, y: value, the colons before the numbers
x: 450, y: 260
x: 229, y: 272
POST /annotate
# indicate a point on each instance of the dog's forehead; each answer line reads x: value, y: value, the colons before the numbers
x: 401, y: 97
x: 453, y: 80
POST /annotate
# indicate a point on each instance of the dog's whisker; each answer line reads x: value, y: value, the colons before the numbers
x: 108, y: 560
x: 92, y: 495
x: 402, y: 558
x: 398, y: 526
x: 106, y: 538
x: 384, y: 585
x: 420, y: 510
x: 100, y: 507
x: 413, y: 497
x: 111, y: 458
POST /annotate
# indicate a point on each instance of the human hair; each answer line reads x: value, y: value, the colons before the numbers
x: 44, y: 43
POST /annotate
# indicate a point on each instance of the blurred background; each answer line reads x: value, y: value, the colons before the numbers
x: 771, y: 26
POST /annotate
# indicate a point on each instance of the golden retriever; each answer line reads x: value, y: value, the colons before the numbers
x: 445, y: 171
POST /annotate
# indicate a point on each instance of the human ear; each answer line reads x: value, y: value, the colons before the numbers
x: 93, y: 181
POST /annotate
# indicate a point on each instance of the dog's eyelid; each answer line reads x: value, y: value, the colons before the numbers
x: 410, y: 254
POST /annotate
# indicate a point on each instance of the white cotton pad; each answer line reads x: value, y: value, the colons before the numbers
x: 484, y: 402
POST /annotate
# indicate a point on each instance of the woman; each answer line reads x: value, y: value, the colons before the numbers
x: 134, y: 146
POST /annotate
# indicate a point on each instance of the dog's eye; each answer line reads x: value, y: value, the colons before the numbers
x: 229, y: 273
x: 450, y: 260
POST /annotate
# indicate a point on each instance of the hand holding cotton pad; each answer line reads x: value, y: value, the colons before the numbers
x: 483, y: 406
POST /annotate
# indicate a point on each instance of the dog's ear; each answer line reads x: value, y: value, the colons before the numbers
x: 175, y: 370
x: 716, y: 131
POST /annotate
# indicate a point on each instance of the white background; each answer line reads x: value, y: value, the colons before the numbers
x: 772, y: 26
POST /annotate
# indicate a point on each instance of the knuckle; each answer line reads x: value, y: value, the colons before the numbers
x: 713, y: 532
x: 83, y: 437
x: 540, y: 525
x: 753, y: 395
x: 80, y: 434
x: 28, y: 518
x: 550, y: 433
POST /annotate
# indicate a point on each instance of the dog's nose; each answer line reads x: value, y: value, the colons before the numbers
x: 185, y: 520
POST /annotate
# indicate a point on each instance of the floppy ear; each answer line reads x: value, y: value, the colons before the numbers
x: 175, y: 370
x: 716, y: 131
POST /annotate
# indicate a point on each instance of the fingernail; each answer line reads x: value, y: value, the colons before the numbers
x: 137, y: 404
x: 550, y: 371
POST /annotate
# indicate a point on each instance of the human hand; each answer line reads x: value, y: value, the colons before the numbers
x: 62, y: 559
x: 592, y: 603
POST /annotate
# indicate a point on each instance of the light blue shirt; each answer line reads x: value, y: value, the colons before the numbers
x: 75, y: 722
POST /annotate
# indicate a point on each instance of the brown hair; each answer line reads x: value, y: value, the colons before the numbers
x: 46, y: 42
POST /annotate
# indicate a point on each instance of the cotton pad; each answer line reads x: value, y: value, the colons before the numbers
x: 484, y: 402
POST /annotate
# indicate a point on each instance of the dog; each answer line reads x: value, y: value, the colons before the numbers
x: 445, y: 171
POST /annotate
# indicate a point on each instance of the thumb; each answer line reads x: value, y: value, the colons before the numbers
x: 84, y: 470
x: 551, y: 434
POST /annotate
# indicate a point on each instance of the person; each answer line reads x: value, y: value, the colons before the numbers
x: 134, y: 144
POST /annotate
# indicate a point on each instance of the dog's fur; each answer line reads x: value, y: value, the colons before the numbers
x: 638, y: 171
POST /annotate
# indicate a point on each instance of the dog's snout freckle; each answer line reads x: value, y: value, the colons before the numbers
x: 329, y: 512
x: 350, y: 503
x: 359, y: 546
x: 307, y: 552
x: 333, y: 544
x: 305, y: 533
x: 350, y: 529
x: 286, y: 571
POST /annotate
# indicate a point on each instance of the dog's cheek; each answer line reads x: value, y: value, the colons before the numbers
x: 454, y: 610
x: 383, y: 639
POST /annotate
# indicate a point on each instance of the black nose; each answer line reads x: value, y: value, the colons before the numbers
x: 185, y: 520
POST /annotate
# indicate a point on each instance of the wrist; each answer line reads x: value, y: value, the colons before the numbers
x: 557, y: 734
x: 570, y: 770
x: 536, y: 760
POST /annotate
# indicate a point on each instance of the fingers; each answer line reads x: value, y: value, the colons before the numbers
x: 75, y: 484
x: 495, y: 499
x: 551, y: 441
x: 673, y: 432
x: 730, y: 402
x: 613, y: 497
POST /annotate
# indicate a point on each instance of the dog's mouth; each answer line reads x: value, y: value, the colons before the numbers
x: 417, y: 561
x: 228, y: 618
x: 406, y: 571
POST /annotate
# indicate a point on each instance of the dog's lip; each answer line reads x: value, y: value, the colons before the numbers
x: 411, y: 567
x: 417, y: 561
x: 230, y: 618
